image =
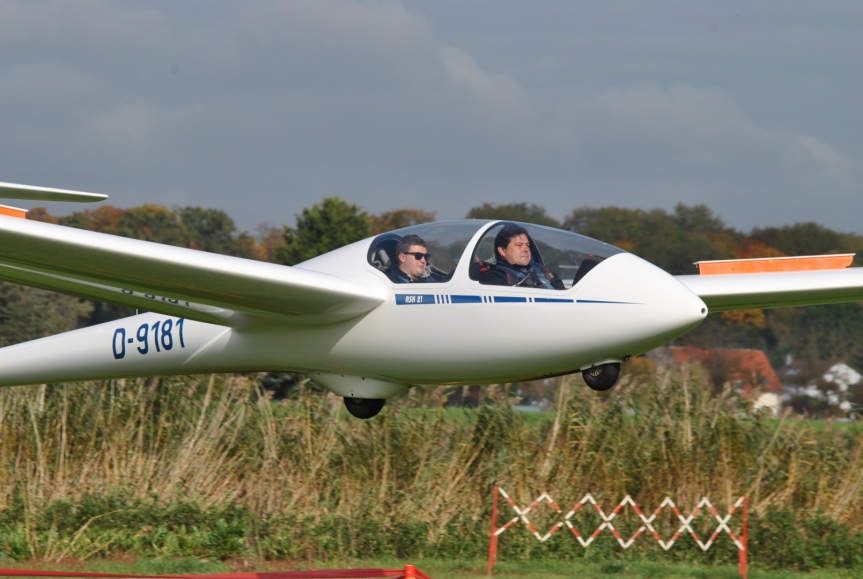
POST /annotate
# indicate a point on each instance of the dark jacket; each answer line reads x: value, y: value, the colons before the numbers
x: 505, y: 273
x: 398, y: 276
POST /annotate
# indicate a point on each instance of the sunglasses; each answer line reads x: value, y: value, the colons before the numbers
x: 419, y: 255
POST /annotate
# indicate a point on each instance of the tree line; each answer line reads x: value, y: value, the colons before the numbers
x: 672, y: 240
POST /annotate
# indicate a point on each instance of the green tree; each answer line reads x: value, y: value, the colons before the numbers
x: 201, y: 228
x: 800, y: 239
x: 828, y: 333
x: 672, y: 242
x: 698, y: 218
x: 615, y: 225
x: 104, y: 219
x: 28, y: 313
x: 514, y: 212
x: 156, y: 223
x: 321, y: 228
x: 398, y: 218
x: 810, y: 239
x: 213, y: 230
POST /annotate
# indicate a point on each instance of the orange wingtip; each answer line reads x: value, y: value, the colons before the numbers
x: 13, y: 212
x: 774, y: 264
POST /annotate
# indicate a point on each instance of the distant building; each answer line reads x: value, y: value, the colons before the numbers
x: 746, y: 370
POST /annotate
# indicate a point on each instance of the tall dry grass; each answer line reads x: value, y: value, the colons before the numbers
x: 218, y: 440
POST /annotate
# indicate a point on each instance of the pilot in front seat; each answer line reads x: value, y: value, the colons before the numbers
x: 514, y: 265
x: 412, y: 261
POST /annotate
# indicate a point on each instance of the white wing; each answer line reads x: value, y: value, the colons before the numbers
x: 202, y: 286
x: 29, y: 192
x: 774, y: 290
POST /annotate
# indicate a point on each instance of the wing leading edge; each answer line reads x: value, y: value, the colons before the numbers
x: 775, y: 290
x: 33, y: 193
x: 212, y: 288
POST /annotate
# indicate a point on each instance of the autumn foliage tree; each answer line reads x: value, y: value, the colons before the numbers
x: 210, y: 230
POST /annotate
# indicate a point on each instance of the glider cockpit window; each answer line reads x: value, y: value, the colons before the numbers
x: 557, y: 259
x: 445, y: 243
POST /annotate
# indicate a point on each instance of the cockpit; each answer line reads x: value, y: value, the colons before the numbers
x: 559, y: 257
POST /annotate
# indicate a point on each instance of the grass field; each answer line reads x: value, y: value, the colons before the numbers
x: 441, y: 569
x: 211, y: 467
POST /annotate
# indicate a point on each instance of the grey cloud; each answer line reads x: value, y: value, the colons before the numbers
x: 647, y: 131
x: 262, y: 108
x: 86, y: 27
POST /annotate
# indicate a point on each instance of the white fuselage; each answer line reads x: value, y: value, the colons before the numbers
x: 456, y: 332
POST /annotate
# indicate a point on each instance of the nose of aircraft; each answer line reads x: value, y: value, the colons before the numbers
x: 654, y: 308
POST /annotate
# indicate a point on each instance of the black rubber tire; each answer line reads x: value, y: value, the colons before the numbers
x: 364, y: 408
x: 601, y: 378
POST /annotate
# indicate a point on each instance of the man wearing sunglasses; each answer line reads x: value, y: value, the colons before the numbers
x: 412, y: 261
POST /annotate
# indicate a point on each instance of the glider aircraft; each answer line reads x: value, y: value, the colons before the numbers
x: 341, y: 320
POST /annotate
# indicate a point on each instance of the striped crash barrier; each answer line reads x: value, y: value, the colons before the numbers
x: 740, y: 541
x: 408, y: 572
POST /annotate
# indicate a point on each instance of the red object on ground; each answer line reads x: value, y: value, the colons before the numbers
x: 409, y: 572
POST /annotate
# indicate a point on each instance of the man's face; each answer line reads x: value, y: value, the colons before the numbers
x: 410, y: 265
x: 518, y: 250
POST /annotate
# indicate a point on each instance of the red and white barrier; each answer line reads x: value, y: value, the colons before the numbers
x: 740, y: 541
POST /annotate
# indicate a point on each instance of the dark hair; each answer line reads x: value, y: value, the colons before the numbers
x: 405, y: 243
x: 507, y: 232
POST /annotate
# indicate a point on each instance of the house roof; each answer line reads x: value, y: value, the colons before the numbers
x: 750, y: 367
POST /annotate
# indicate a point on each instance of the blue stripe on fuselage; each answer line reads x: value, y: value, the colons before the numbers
x: 425, y: 299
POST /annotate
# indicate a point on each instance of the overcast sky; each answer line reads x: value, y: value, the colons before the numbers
x: 262, y: 108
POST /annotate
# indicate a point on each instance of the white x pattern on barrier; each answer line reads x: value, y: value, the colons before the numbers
x: 607, y: 521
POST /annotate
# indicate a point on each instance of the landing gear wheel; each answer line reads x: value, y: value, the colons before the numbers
x: 603, y: 377
x: 364, y: 407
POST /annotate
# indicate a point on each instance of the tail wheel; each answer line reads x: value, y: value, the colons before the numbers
x: 364, y: 407
x: 602, y: 377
